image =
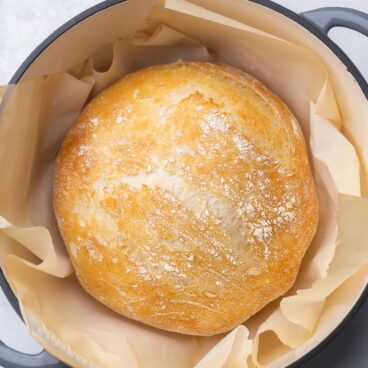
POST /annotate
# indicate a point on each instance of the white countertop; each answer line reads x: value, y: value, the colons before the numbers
x: 26, y: 23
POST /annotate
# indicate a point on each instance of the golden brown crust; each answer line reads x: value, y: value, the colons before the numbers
x: 184, y: 196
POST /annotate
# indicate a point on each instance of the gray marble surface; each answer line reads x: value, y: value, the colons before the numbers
x: 25, y: 23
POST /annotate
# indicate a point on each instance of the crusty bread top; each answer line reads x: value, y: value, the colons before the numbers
x: 184, y: 196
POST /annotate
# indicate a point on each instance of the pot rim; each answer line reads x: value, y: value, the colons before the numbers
x: 351, y: 68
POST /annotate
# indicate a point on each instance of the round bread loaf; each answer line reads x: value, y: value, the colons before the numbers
x: 185, y: 198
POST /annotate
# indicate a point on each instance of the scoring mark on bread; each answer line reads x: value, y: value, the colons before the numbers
x: 203, y: 204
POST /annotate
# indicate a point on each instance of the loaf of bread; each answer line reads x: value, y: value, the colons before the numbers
x: 184, y: 196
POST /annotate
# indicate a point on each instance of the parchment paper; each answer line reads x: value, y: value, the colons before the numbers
x: 34, y: 117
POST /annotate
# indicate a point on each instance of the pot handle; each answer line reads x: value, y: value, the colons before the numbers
x: 329, y: 17
x: 10, y: 358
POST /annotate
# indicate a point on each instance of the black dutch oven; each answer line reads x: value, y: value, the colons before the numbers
x: 317, y: 22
